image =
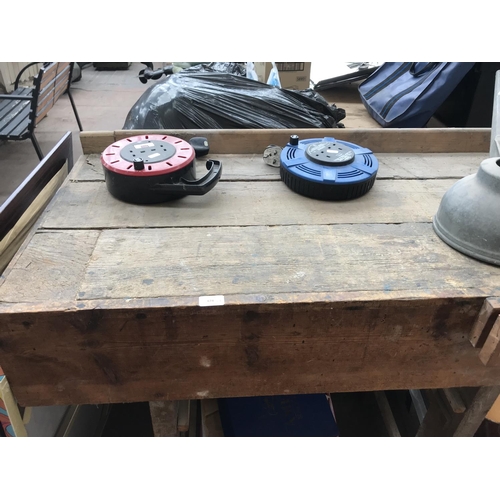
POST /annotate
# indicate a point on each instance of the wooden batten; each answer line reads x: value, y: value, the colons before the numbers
x: 254, y: 141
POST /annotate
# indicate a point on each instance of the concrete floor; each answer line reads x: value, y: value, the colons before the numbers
x: 102, y: 98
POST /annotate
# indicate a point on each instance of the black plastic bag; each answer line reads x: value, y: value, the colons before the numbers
x: 218, y: 96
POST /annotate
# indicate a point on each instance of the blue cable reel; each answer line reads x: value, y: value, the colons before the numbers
x: 327, y: 169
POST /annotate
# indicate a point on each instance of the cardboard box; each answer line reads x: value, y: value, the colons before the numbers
x: 293, y: 75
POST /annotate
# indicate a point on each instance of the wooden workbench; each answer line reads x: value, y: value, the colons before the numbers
x: 101, y: 304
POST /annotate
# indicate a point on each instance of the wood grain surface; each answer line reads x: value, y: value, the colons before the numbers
x: 435, y: 140
x: 89, y: 205
x: 225, y: 261
x: 422, y: 181
x: 154, y: 353
x: 251, y: 167
x: 102, y: 303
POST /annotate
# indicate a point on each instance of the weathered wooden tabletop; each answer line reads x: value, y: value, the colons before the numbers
x: 102, y: 302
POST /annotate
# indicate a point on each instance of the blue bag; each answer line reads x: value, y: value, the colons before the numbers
x: 406, y: 95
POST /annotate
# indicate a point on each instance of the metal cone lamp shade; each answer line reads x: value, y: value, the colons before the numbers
x: 468, y: 218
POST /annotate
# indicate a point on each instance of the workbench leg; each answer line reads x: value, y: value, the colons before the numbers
x: 386, y: 413
x: 476, y: 411
x: 438, y: 418
x: 210, y: 418
x: 164, y: 416
x: 173, y: 418
x: 450, y: 416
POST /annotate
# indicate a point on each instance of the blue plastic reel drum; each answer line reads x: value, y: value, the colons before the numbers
x: 327, y: 169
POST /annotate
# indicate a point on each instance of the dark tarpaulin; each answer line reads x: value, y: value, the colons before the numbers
x: 219, y: 96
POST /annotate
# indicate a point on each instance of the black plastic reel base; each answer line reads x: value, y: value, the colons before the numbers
x: 329, y: 192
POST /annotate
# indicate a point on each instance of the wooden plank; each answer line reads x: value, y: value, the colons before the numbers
x: 164, y: 418
x: 14, y: 238
x: 494, y: 413
x: 49, y: 103
x: 438, y: 419
x: 211, y: 425
x: 193, y: 418
x: 80, y: 165
x: 100, y: 354
x: 47, y: 73
x: 490, y: 353
x: 402, y: 258
x: 454, y: 399
x: 443, y: 419
x: 419, y: 403
x: 51, y: 76
x: 428, y: 165
x: 87, y: 168
x: 224, y: 260
x: 26, y: 193
x: 183, y: 416
x: 435, y: 140
x: 54, y: 73
x: 88, y: 205
x: 477, y: 410
x: 386, y: 413
x: 51, y: 267
x: 52, y: 87
x: 447, y: 140
x: 19, y: 213
x: 49, y: 96
x: 251, y: 167
x: 41, y: 113
x: 62, y: 151
x: 487, y: 316
x: 96, y: 142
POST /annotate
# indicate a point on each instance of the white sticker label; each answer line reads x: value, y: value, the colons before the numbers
x: 146, y: 145
x: 211, y: 300
x: 154, y: 155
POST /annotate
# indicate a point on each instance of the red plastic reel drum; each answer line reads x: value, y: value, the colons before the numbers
x: 160, y: 155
